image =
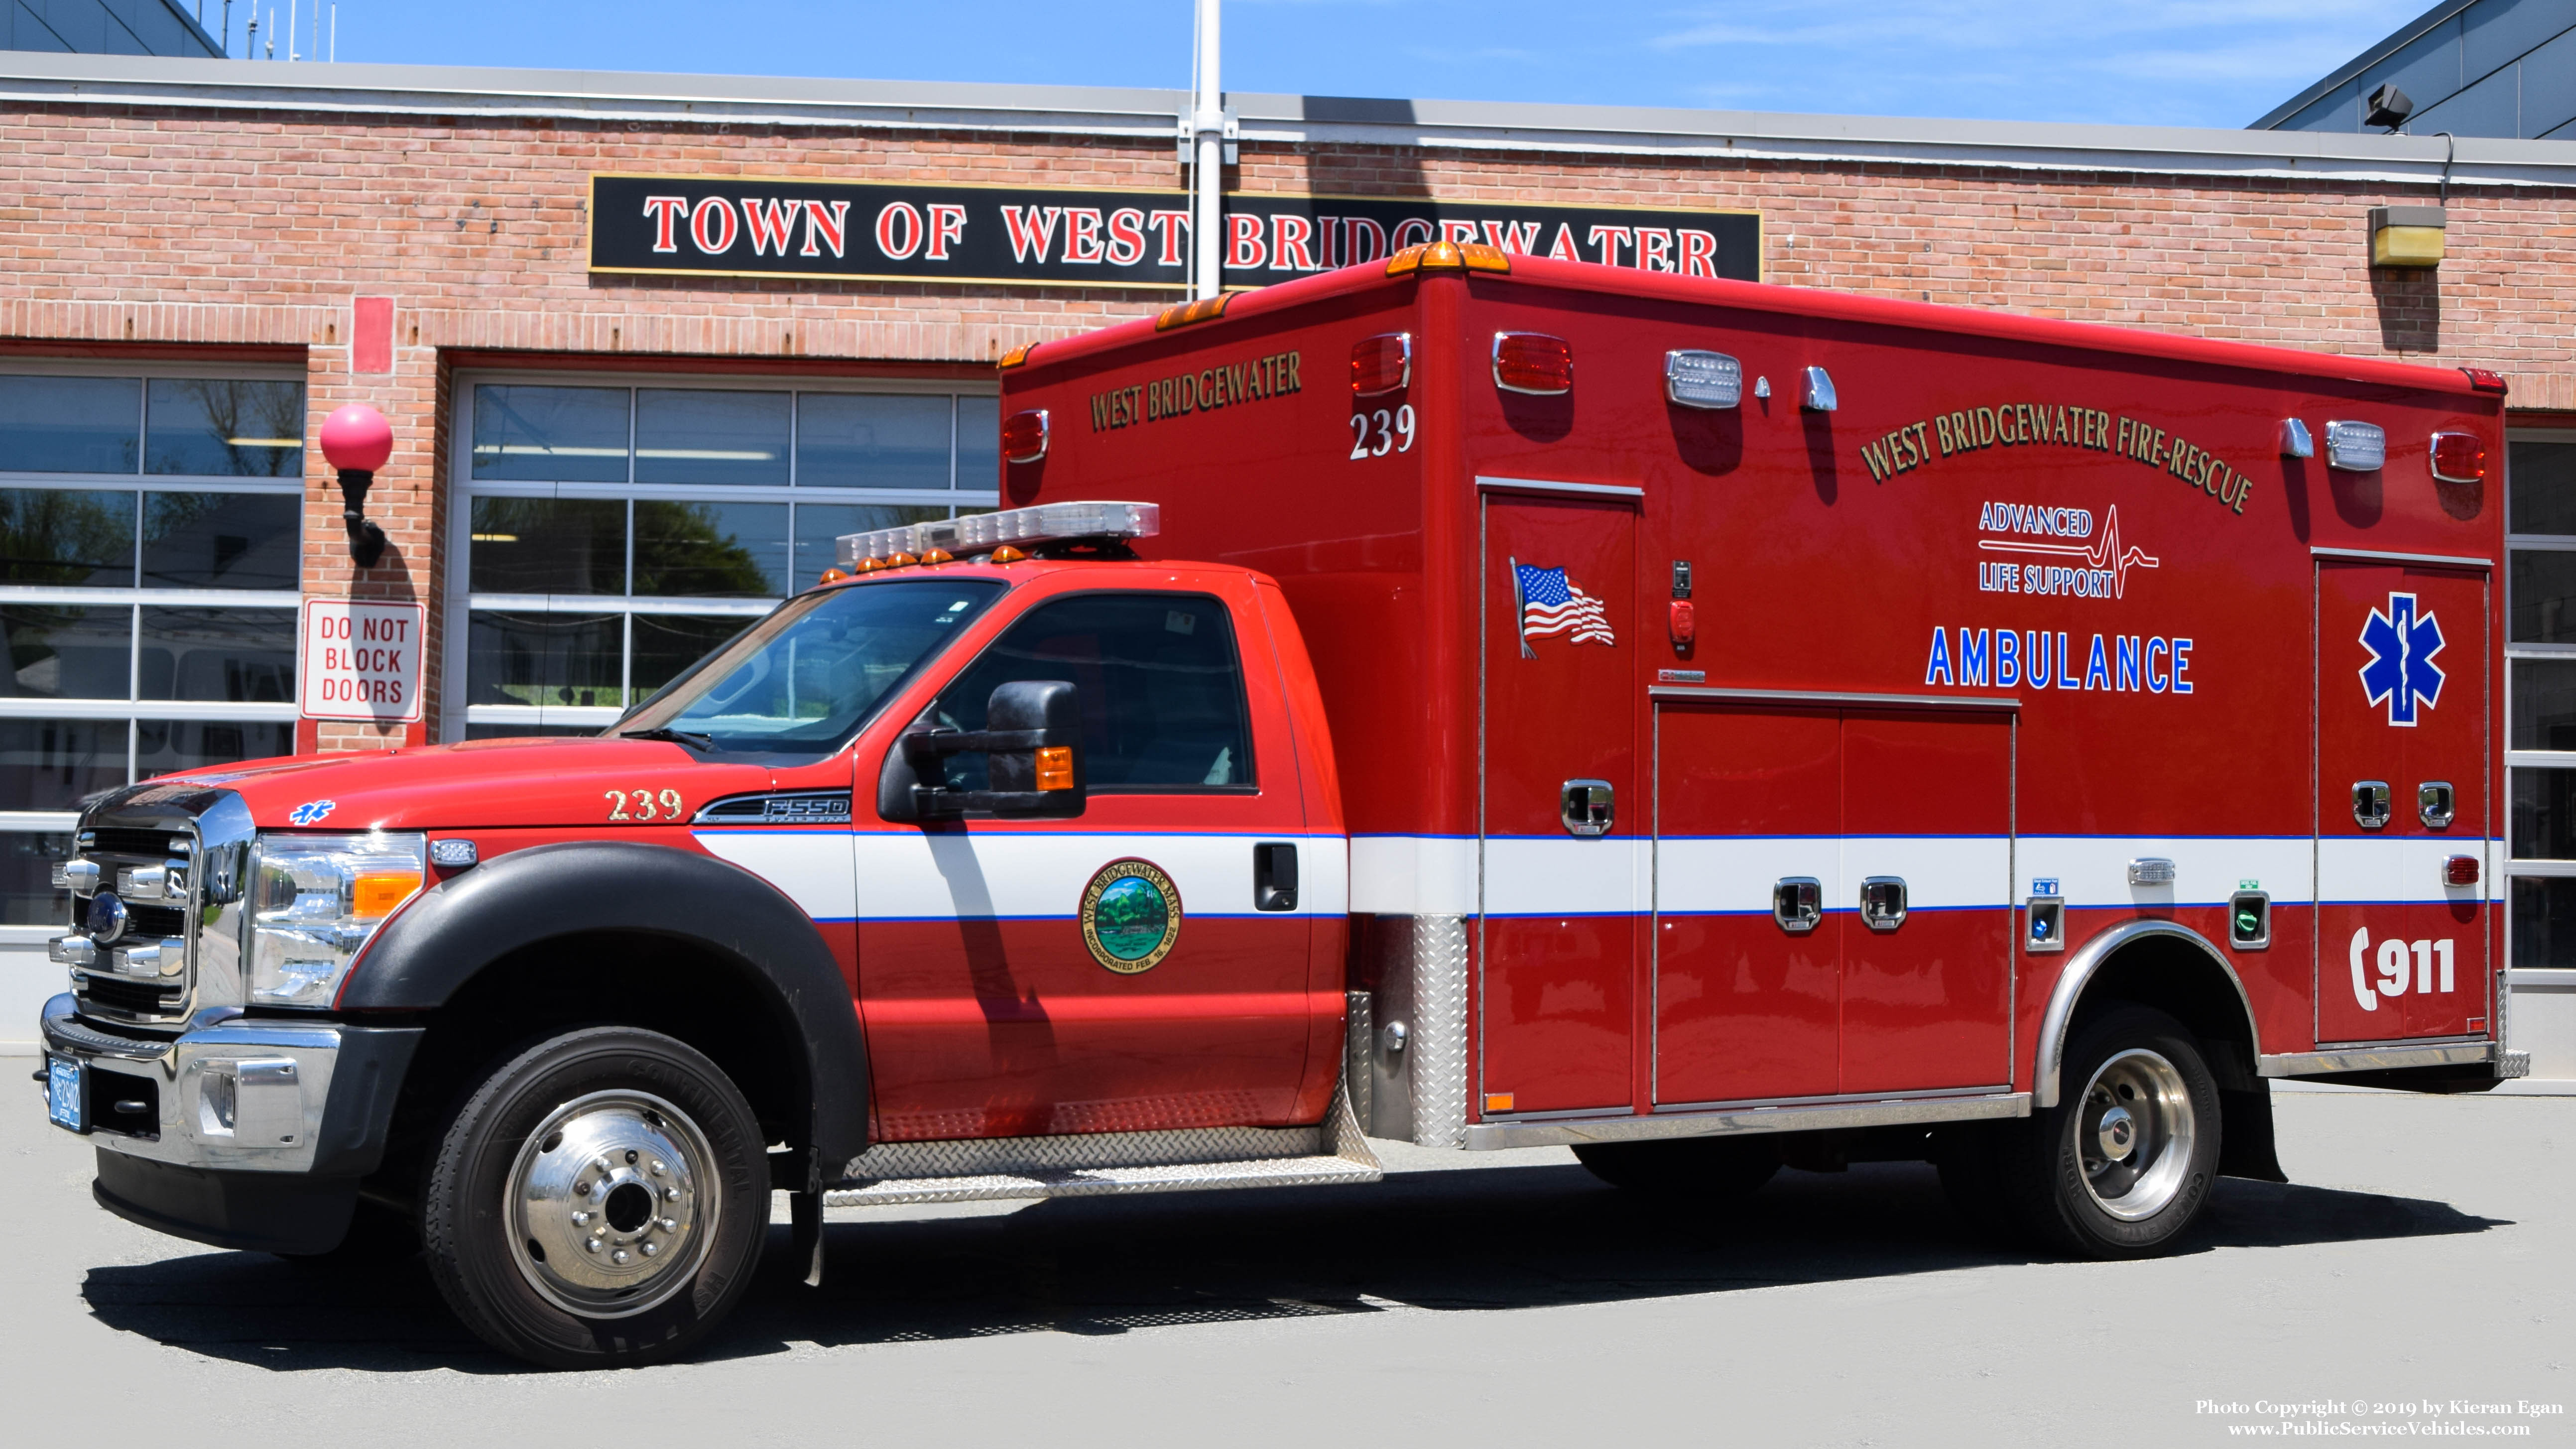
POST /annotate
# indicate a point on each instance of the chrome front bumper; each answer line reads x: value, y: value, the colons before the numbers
x: 245, y: 1094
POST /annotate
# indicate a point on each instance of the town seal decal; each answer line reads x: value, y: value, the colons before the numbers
x: 1131, y: 916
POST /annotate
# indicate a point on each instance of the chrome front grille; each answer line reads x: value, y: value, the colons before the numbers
x: 143, y: 977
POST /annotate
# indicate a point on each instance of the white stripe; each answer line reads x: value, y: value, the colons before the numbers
x: 1413, y: 875
x: 2093, y: 870
x: 1737, y: 874
x: 1565, y: 875
x: 2406, y: 869
x: 812, y: 867
x: 910, y: 875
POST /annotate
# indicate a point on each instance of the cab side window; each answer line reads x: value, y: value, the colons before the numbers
x: 1161, y: 687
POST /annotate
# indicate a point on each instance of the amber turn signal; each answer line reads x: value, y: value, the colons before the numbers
x: 375, y: 896
x: 2459, y: 458
x: 1055, y: 767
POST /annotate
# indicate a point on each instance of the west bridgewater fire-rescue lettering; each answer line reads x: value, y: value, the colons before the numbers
x: 2008, y: 425
x: 1201, y: 391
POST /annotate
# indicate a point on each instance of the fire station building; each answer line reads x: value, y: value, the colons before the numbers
x: 650, y: 343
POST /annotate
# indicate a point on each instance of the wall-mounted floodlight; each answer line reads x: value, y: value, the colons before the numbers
x: 1817, y: 393
x: 2387, y: 106
x: 2295, y: 439
x: 2406, y: 236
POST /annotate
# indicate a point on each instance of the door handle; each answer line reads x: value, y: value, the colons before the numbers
x: 1586, y: 807
x: 1882, y: 902
x: 1274, y: 876
x: 1798, y: 903
x: 2433, y: 804
x: 2370, y: 803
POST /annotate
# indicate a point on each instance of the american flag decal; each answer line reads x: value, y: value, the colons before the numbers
x: 1550, y: 603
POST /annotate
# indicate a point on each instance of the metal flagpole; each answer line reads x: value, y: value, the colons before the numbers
x: 1207, y: 173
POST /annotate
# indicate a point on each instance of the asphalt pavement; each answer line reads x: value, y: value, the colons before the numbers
x: 2425, y: 1256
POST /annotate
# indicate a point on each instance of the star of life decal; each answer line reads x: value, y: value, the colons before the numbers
x: 2401, y: 673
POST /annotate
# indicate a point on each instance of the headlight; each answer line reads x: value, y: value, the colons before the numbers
x: 315, y: 901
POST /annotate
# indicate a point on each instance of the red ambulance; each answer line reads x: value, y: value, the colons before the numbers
x: 1468, y: 699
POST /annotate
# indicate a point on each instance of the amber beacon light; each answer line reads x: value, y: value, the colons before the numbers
x: 357, y: 440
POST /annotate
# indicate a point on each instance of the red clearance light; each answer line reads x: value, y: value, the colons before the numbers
x: 1206, y: 309
x: 1382, y: 364
x: 1533, y: 362
x: 1024, y: 436
x: 2485, y: 381
x: 2460, y: 870
x: 2459, y: 458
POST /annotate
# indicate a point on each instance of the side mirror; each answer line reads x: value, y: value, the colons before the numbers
x: 1032, y: 740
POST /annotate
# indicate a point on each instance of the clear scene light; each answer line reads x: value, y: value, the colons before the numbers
x: 984, y: 532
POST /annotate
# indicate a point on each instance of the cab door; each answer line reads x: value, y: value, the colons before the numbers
x: 1125, y: 970
x: 1563, y: 821
x: 2402, y: 726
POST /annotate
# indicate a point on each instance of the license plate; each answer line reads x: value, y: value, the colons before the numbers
x: 66, y: 1094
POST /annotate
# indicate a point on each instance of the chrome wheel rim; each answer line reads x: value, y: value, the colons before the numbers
x: 2134, y: 1135
x: 611, y: 1204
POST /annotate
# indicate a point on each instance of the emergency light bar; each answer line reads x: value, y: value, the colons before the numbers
x: 985, y: 532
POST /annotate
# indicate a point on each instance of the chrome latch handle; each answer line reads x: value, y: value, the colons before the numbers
x: 2370, y: 803
x: 1587, y: 807
x: 1798, y: 903
x: 1882, y: 902
x: 2434, y: 804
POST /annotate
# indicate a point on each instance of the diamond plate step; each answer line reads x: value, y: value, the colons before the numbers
x: 1108, y: 1164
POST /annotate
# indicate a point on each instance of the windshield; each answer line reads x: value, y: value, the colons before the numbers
x: 806, y: 677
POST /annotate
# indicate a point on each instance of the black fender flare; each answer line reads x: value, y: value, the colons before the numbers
x: 463, y: 924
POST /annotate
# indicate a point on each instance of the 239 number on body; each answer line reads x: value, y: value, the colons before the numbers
x: 1376, y: 434
x: 643, y: 805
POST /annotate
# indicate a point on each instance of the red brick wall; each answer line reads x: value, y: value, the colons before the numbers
x: 163, y: 226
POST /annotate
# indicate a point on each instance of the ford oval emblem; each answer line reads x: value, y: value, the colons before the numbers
x: 107, y: 918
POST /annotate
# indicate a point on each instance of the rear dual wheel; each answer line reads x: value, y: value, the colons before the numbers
x: 599, y: 1201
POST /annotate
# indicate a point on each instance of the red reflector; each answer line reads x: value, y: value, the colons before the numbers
x: 1024, y: 436
x: 2459, y: 458
x: 2460, y: 870
x: 1532, y: 362
x: 2485, y: 381
x: 1382, y: 364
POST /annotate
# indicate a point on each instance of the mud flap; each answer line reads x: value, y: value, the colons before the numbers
x: 2245, y: 1134
x: 805, y: 1234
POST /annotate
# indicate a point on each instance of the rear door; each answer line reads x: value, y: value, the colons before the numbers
x: 2402, y: 699
x: 1115, y: 972
x: 1562, y: 886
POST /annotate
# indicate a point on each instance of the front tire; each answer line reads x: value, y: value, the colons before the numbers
x: 2122, y: 1166
x: 598, y: 1201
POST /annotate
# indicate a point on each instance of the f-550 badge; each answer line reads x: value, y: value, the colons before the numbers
x: 2401, y: 672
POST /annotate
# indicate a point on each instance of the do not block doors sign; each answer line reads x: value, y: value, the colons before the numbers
x: 361, y: 661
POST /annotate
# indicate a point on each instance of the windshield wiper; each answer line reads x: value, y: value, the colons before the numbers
x: 690, y: 738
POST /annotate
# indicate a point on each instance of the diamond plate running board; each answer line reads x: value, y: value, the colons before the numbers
x: 1109, y: 1164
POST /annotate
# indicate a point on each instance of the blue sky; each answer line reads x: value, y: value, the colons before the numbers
x: 2178, y: 62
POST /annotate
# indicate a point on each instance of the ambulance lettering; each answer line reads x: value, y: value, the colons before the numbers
x: 2433, y: 961
x: 2039, y: 659
x: 2401, y: 672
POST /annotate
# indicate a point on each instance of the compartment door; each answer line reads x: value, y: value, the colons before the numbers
x: 1927, y: 804
x: 2402, y: 701
x: 1562, y: 892
x: 1747, y: 975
